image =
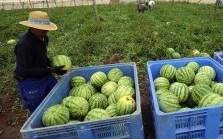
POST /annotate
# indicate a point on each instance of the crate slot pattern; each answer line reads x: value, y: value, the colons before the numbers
x: 63, y: 133
x: 198, y: 134
x: 188, y: 122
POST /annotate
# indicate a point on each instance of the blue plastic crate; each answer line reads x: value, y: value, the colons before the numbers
x: 200, y: 123
x: 219, y: 57
x: 121, y: 127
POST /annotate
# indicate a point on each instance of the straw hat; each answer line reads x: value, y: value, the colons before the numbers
x: 39, y: 20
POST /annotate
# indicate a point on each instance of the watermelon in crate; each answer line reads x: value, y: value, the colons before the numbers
x: 203, y: 121
x: 99, y: 124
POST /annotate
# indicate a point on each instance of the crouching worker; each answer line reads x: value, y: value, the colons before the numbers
x: 33, y: 71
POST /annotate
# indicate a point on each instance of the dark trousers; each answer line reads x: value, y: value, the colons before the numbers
x: 33, y: 91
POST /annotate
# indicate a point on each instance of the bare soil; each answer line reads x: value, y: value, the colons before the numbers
x: 12, y: 119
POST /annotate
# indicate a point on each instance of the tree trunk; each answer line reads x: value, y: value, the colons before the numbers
x: 95, y: 10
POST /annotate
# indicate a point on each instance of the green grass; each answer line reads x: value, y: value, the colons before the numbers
x: 133, y: 36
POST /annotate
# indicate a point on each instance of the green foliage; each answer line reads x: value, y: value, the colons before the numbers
x: 122, y: 31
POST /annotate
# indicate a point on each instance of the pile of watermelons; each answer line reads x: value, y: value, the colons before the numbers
x: 188, y: 87
x: 103, y: 96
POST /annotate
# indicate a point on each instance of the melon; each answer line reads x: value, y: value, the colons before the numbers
x: 61, y: 60
x: 115, y: 74
x: 98, y: 79
x: 124, y: 91
x: 185, y: 75
x: 209, y: 70
x: 203, y: 78
x: 55, y: 115
x: 161, y: 82
x: 77, y: 106
x: 168, y: 71
x: 125, y: 105
x: 111, y: 99
x: 210, y: 99
x: 77, y: 81
x: 199, y: 90
x: 108, y: 88
x: 193, y: 65
x: 98, y: 101
x: 84, y: 90
x: 181, y: 90
x: 111, y: 110
x: 168, y: 102
x: 126, y: 80
x: 96, y: 114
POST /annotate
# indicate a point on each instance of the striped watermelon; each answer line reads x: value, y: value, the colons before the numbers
x: 193, y: 65
x: 96, y: 114
x: 98, y: 79
x: 108, y: 88
x: 162, y: 91
x: 176, y: 55
x: 85, y: 91
x: 115, y: 74
x: 202, y: 54
x: 73, y: 121
x: 168, y: 102
x: 209, y: 70
x: 218, y: 88
x: 111, y: 99
x: 161, y: 82
x: 168, y: 71
x: 60, y: 60
x: 77, y: 81
x: 77, y: 106
x: 170, y: 50
x: 199, y: 90
x: 126, y: 80
x: 124, y: 91
x: 185, y: 75
x: 213, y: 83
x: 190, y: 87
x: 125, y: 105
x: 203, y: 78
x: 98, y: 101
x: 210, y: 99
x: 184, y: 109
x: 55, y: 115
x: 180, y: 90
x: 111, y: 110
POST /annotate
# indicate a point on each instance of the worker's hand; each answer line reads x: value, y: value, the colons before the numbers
x: 58, y: 70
